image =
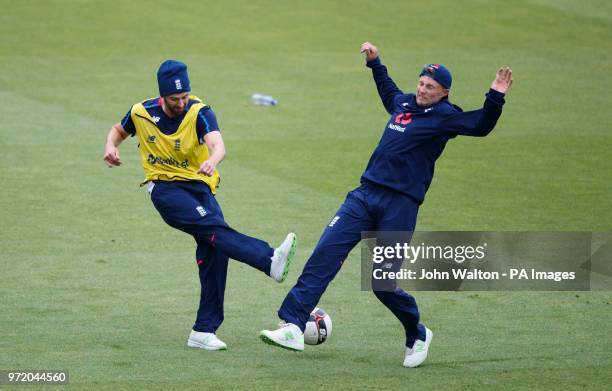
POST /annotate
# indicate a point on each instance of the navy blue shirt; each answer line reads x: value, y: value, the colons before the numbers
x: 206, y: 120
x: 414, y: 137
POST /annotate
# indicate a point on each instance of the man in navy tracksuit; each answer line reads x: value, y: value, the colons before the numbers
x: 392, y: 188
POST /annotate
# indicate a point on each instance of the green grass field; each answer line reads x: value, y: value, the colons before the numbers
x: 93, y: 281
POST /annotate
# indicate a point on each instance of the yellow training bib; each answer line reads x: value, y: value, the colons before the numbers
x: 174, y: 157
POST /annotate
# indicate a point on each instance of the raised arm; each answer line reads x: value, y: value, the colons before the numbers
x: 387, y: 90
x: 480, y: 123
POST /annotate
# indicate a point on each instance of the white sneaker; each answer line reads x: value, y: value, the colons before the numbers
x: 287, y: 336
x: 418, y: 353
x: 282, y: 257
x: 207, y: 341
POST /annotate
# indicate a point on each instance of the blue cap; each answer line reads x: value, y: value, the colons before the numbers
x: 172, y: 78
x: 439, y: 73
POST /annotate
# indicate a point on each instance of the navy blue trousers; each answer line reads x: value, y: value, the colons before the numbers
x: 192, y: 208
x: 367, y: 208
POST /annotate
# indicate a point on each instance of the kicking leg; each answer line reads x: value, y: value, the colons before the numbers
x: 337, y: 240
x: 194, y: 210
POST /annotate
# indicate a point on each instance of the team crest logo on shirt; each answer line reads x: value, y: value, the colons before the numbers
x: 177, y: 145
x: 400, y: 122
x: 403, y: 119
x: 151, y: 139
x: 155, y: 119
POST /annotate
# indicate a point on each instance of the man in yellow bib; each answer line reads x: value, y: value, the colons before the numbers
x: 180, y: 147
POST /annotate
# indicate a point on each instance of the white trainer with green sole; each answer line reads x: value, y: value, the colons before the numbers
x: 281, y: 260
x: 418, y: 353
x: 206, y: 341
x: 287, y: 336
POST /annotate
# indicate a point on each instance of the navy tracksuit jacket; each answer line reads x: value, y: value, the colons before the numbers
x: 392, y: 187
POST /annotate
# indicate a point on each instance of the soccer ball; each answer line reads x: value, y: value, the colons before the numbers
x: 318, y: 327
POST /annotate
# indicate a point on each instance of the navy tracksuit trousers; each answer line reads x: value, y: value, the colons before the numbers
x: 190, y: 206
x: 368, y: 208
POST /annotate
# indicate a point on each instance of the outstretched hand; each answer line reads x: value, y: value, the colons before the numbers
x: 503, y: 80
x: 370, y: 51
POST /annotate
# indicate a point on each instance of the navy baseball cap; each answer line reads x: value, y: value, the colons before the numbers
x: 439, y: 73
x: 172, y: 78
